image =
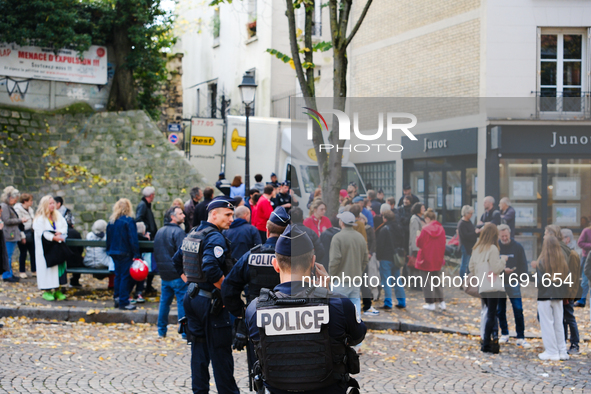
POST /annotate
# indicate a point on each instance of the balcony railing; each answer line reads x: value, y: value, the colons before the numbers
x: 563, y: 105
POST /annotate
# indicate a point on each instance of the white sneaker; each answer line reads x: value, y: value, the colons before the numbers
x: 523, y: 343
x: 564, y: 356
x: 430, y: 307
x: 504, y: 339
x: 442, y: 305
x: 371, y: 312
x: 545, y: 356
x: 22, y: 275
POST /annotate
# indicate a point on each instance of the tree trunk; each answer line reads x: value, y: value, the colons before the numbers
x: 123, y: 92
x: 334, y: 174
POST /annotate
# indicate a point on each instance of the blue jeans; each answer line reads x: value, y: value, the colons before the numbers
x: 387, y: 270
x: 10, y: 247
x: 123, y: 280
x: 570, y: 322
x: 584, y: 282
x: 169, y: 289
x: 465, y: 262
x: 353, y: 293
x: 514, y: 294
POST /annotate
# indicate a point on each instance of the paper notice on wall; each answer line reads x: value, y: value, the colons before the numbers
x: 43, y: 63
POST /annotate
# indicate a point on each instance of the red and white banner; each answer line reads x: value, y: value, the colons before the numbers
x: 43, y: 63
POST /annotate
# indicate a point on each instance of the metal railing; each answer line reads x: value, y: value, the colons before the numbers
x: 570, y: 105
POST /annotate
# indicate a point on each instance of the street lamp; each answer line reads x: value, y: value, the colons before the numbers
x: 248, y: 88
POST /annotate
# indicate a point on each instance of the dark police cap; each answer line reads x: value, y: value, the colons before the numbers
x: 280, y: 217
x: 221, y: 202
x: 293, y: 242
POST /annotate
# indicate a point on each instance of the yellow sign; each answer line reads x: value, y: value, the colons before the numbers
x: 202, y: 140
x: 312, y: 154
x: 237, y: 140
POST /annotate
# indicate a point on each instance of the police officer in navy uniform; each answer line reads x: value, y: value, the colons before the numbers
x: 205, y: 258
x: 303, y: 335
x: 274, y: 182
x: 255, y: 270
x: 284, y: 198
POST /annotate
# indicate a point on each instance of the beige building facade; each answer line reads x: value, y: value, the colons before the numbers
x: 518, y: 73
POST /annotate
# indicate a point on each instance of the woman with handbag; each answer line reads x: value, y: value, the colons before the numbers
x: 123, y: 247
x: 430, y: 260
x: 552, y: 264
x: 388, y: 237
x: 12, y: 227
x: 486, y: 262
x: 24, y: 209
x: 49, y: 225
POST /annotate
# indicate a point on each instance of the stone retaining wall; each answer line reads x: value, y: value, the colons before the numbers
x: 121, y: 147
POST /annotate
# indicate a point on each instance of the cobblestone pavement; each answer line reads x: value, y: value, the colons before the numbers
x: 463, y: 312
x: 62, y: 357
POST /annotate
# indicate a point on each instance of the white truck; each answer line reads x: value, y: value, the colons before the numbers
x: 271, y: 151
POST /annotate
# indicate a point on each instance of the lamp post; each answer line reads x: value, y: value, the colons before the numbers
x: 248, y: 89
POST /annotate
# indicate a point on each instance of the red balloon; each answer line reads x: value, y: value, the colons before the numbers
x: 139, y: 270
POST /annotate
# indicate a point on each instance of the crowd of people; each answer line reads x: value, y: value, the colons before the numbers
x: 374, y: 236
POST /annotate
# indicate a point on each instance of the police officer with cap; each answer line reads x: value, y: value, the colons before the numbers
x: 274, y: 181
x: 255, y: 270
x: 205, y: 258
x: 303, y: 335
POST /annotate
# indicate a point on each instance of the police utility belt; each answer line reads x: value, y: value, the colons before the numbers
x: 215, y: 296
x: 295, y: 351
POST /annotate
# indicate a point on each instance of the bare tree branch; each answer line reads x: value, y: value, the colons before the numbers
x: 334, y: 23
x: 358, y: 24
x: 344, y: 22
x: 295, y: 54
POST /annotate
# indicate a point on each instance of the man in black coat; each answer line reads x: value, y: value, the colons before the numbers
x: 326, y: 239
x: 490, y: 213
x: 200, y: 213
x: 407, y: 192
x: 143, y: 213
x: 166, y: 243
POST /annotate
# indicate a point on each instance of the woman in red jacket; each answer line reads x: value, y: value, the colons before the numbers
x: 317, y: 221
x: 430, y: 260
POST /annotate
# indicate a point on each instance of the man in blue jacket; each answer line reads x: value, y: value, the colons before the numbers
x: 359, y: 200
x: 242, y: 235
x: 167, y: 241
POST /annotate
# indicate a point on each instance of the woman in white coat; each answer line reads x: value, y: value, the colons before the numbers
x: 48, y: 219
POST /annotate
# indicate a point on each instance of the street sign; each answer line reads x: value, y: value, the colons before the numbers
x: 174, y: 127
x: 173, y: 138
x: 198, y: 140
